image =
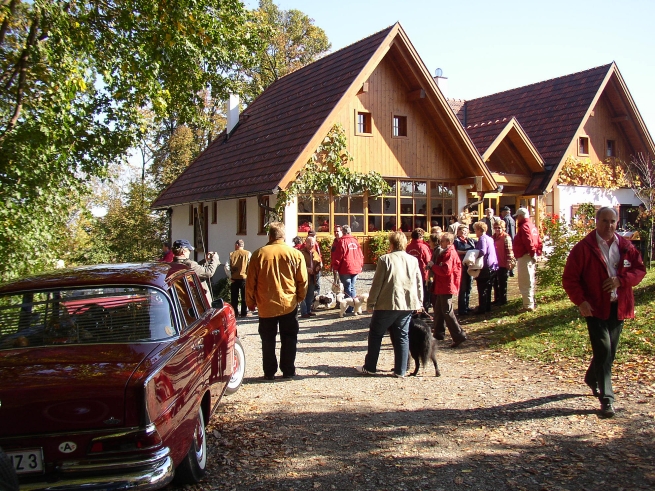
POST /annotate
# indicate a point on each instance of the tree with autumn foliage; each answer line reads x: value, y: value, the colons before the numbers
x: 74, y: 79
x: 291, y: 41
x: 641, y: 178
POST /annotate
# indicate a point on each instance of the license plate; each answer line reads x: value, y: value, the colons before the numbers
x: 27, y: 461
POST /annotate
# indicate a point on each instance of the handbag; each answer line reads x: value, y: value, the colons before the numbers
x: 470, y: 257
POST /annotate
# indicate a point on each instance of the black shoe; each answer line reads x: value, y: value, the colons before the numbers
x: 269, y: 377
x: 457, y: 343
x: 289, y: 375
x: 440, y: 338
x: 607, y: 410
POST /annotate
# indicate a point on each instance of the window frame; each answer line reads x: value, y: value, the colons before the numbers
x: 400, y: 128
x: 242, y: 216
x: 610, y: 143
x: 262, y: 214
x: 368, y: 123
x: 583, y: 146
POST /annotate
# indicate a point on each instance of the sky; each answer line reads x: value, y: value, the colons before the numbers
x: 486, y: 46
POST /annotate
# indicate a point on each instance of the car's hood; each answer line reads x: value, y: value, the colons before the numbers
x: 46, y: 390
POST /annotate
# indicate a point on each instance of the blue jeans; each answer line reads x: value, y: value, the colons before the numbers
x: 306, y: 305
x: 348, y: 281
x: 398, y: 321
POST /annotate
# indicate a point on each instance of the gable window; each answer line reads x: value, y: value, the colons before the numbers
x: 214, y: 212
x: 364, y: 123
x: 583, y: 145
x: 399, y: 126
x: 610, y: 150
x: 241, y: 218
x: 263, y: 215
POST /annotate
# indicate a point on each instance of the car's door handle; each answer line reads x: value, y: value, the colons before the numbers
x: 216, y: 332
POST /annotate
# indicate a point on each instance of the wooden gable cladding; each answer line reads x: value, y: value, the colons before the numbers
x: 419, y: 154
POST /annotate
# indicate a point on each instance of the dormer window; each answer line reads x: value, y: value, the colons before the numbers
x: 399, y: 126
x: 583, y: 145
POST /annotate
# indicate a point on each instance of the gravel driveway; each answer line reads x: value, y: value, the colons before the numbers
x: 489, y: 422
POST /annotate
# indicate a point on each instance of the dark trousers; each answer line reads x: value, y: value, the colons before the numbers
x: 426, y: 295
x: 484, y: 282
x: 236, y: 287
x: 444, y: 316
x: 465, y: 287
x: 268, y: 327
x: 604, y: 336
x: 398, y: 322
x: 500, y: 286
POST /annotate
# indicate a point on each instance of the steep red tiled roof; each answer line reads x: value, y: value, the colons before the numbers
x: 273, y: 130
x: 484, y: 134
x: 550, y: 112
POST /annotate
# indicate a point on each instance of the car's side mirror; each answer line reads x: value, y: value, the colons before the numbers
x: 218, y: 304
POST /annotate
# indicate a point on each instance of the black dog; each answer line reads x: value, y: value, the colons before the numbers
x: 422, y: 345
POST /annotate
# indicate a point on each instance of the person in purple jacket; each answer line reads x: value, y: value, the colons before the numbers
x: 485, y: 279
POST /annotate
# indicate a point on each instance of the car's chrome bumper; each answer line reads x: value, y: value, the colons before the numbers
x: 156, y: 476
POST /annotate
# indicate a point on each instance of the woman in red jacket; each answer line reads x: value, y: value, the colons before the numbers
x: 447, y: 269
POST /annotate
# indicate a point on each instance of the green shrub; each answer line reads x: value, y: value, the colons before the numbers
x: 378, y: 245
x: 221, y: 289
x: 559, y: 238
x: 325, y: 243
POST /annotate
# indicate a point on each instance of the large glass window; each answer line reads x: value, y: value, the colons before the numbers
x: 408, y: 205
x: 382, y: 210
x: 313, y: 213
x: 349, y: 210
x: 442, y: 202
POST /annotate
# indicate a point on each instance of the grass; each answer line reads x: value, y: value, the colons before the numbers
x: 555, y: 332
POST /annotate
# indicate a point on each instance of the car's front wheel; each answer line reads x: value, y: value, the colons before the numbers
x: 238, y: 368
x: 192, y: 469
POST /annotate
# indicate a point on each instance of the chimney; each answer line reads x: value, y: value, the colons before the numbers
x: 442, y: 82
x: 232, y: 112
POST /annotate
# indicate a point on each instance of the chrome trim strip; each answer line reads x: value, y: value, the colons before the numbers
x: 147, y: 479
x: 111, y: 463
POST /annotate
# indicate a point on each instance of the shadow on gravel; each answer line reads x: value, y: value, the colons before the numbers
x: 438, y: 449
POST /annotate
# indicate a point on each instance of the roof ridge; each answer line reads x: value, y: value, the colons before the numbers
x: 539, y: 83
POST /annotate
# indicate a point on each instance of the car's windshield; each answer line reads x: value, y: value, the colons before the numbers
x: 83, y: 316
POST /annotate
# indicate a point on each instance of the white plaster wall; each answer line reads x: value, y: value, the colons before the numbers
x: 462, y: 198
x: 574, y: 195
x: 222, y: 235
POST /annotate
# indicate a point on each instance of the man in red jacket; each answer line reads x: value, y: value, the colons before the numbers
x: 421, y: 251
x: 598, y: 277
x: 526, y: 246
x: 347, y: 261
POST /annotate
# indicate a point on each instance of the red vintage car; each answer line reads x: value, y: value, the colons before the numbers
x: 110, y: 374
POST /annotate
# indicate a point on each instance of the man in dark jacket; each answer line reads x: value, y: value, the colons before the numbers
x: 510, y: 224
x: 598, y: 277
